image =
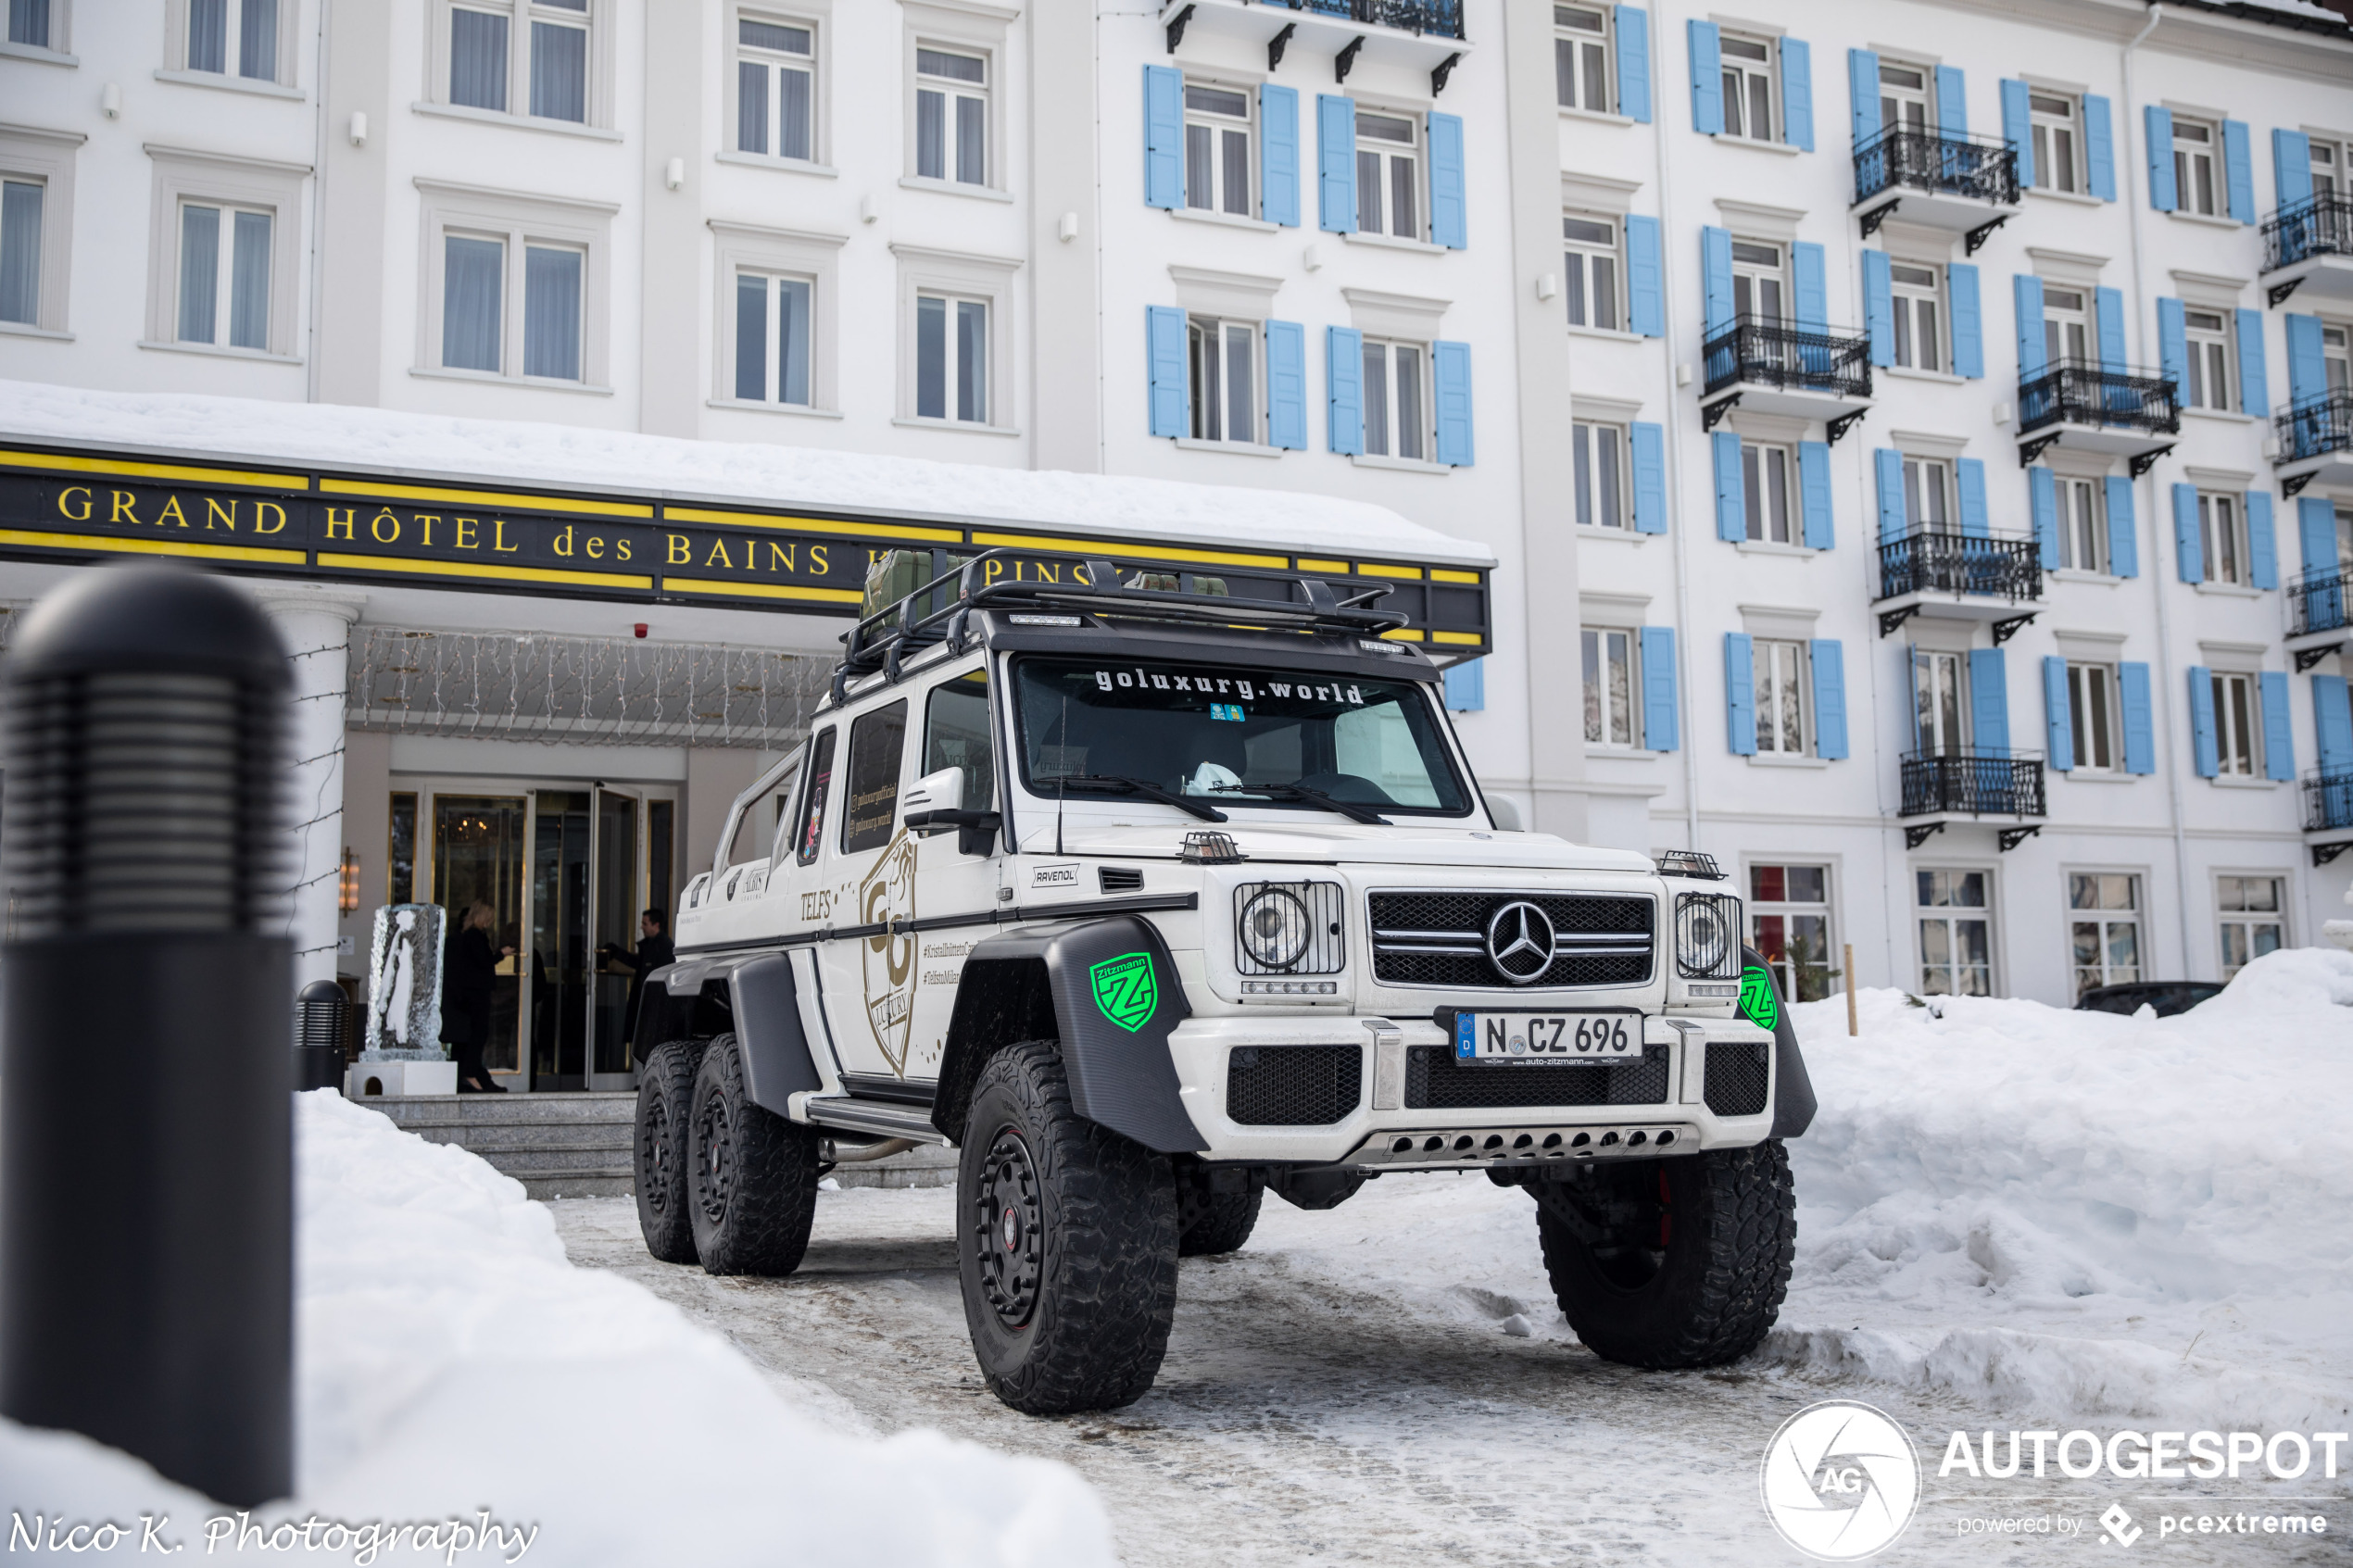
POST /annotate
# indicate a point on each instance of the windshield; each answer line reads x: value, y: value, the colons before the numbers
x: 1217, y: 731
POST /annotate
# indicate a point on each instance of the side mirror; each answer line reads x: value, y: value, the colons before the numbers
x: 1506, y: 811
x: 935, y: 791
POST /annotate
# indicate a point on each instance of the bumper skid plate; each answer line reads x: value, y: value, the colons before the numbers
x: 1436, y: 1148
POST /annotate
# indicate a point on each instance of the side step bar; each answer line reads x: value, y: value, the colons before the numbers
x: 872, y: 1116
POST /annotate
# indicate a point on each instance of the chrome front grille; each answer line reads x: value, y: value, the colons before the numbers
x: 1439, y: 939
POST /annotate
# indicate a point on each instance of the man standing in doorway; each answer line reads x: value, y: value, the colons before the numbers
x: 654, y: 951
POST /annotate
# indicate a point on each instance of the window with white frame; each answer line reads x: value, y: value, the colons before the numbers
x: 2253, y: 918
x: 225, y: 275
x: 32, y: 24
x: 2222, y: 529
x: 2092, y: 716
x: 1222, y: 362
x: 1218, y: 160
x: 481, y: 277
x: 1956, y: 923
x: 1780, y: 688
x: 1919, y: 305
x: 1759, y: 293
x: 2208, y: 371
x: 952, y: 116
x: 1789, y: 923
x: 1388, y: 174
x: 1580, y: 57
x: 2238, y: 723
x: 776, y: 87
x: 951, y: 358
x: 227, y: 37
x: 1397, y: 400
x: 1597, y: 454
x: 2082, y: 532
x: 2195, y: 142
x: 21, y: 202
x: 1940, y: 702
x: 1612, y: 716
x: 773, y: 338
x: 2067, y: 326
x: 1588, y: 272
x: 2055, y: 140
x: 1904, y: 101
x: 2103, y: 928
x: 1927, y: 491
x: 2337, y: 361
x: 2329, y: 165
x: 520, y: 57
x: 1768, y: 484
x: 1748, y: 86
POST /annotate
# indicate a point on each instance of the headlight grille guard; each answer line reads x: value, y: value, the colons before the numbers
x: 1707, y: 936
x: 1319, y: 907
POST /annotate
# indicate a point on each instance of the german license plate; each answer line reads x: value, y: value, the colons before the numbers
x: 1522, y: 1038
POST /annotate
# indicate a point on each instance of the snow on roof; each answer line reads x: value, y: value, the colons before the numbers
x: 521, y: 451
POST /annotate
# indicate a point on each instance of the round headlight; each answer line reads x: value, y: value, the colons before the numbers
x: 1275, y: 929
x: 1705, y: 927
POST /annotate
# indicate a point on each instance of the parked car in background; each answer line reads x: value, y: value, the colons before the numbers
x: 2167, y: 997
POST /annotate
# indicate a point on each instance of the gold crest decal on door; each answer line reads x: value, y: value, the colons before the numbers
x: 887, y: 898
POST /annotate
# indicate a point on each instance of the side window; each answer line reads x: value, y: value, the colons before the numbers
x: 877, y: 742
x: 956, y: 736
x: 816, y: 784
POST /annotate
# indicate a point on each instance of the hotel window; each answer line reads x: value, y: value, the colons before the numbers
x: 477, y: 285
x: 1397, y: 402
x: 2051, y: 119
x: 1759, y: 293
x: 1768, y: 477
x: 1748, y: 87
x: 1590, y: 268
x: 2238, y: 726
x: 1223, y: 369
x: 772, y: 339
x: 1388, y: 175
x: 224, y: 276
x: 2093, y: 712
x: 2336, y: 364
x: 1580, y: 57
x: 2103, y: 928
x: 1612, y: 716
x: 1919, y: 339
x: 2253, y: 920
x: 1217, y: 157
x: 545, y: 69
x: 2194, y: 181
x: 2221, y: 529
x: 1904, y: 101
x: 2208, y: 344
x: 1956, y: 932
x: 2329, y: 166
x: 1597, y: 454
x: 20, y: 214
x: 952, y: 359
x: 1940, y: 702
x: 1779, y: 676
x: 1928, y: 489
x: 775, y: 88
x: 30, y: 24
x: 1788, y: 921
x: 2067, y: 327
x: 952, y: 116
x: 2082, y: 536
x: 225, y: 37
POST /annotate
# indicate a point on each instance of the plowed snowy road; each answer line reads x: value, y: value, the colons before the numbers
x: 1344, y: 1391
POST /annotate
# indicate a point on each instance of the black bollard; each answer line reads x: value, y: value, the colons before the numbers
x: 146, y: 1212
x: 319, y: 1051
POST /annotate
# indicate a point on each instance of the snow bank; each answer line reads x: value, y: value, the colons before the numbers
x: 452, y: 1360
x: 514, y: 451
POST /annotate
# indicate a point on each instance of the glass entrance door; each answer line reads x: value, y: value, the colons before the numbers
x: 561, y: 955
x: 478, y: 859
x: 615, y: 901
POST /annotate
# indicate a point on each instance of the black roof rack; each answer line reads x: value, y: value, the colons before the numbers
x: 937, y: 611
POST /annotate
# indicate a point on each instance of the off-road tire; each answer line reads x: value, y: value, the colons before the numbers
x: 1727, y: 1219
x: 1087, y: 1285
x: 665, y: 1085
x: 1212, y: 1224
x: 751, y: 1175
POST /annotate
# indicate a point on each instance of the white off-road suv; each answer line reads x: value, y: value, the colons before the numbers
x: 1151, y: 900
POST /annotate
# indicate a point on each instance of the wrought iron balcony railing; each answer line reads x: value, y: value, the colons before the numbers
x: 1795, y: 359
x: 1982, y: 784
x: 2322, y: 422
x: 1443, y: 17
x: 2318, y: 225
x: 1974, y: 166
x: 2073, y: 392
x: 1934, y: 561
x: 2328, y: 800
x: 2316, y: 600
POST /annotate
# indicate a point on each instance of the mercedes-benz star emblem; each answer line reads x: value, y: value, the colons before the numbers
x: 1519, y: 942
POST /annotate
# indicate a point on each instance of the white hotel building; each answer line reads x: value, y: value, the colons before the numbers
x: 1902, y: 447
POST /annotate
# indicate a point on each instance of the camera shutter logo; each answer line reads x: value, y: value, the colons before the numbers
x: 1840, y: 1481
x: 1519, y: 942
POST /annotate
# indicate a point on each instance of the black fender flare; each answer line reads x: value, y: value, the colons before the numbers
x: 1762, y: 1004
x: 1107, y: 991
x: 761, y: 1004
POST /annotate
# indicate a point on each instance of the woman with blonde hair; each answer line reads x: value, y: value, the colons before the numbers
x: 467, y: 966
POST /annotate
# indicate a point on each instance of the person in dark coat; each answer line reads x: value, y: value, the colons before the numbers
x: 469, y: 965
x: 654, y: 951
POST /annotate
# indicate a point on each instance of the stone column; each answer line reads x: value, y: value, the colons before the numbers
x: 316, y: 626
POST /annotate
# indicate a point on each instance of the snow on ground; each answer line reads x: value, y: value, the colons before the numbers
x: 451, y: 1360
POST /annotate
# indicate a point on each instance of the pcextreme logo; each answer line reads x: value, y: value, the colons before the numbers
x: 1840, y: 1481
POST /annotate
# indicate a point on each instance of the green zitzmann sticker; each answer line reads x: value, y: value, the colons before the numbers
x: 1758, y: 1003
x: 1125, y: 990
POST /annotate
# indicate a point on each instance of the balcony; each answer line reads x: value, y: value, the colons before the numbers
x: 2309, y: 246
x: 1775, y: 368
x: 2318, y: 620
x: 1952, y: 576
x: 2328, y: 813
x: 2315, y: 441
x: 1965, y: 183
x: 1424, y: 35
x: 1938, y: 786
x: 2091, y: 407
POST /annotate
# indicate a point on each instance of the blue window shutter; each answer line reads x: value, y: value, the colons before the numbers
x: 1449, y: 370
x: 2187, y: 550
x: 1164, y: 136
x: 2140, y: 725
x: 2202, y: 746
x: 1279, y: 154
x: 1970, y: 472
x: 1662, y: 725
x: 2172, y: 343
x: 2042, y: 499
x: 1716, y: 277
x: 2292, y: 167
x: 1813, y: 294
x: 2159, y: 123
x: 1165, y: 335
x: 1968, y: 320
x: 1879, y: 308
x: 1344, y: 388
x: 2018, y: 128
x: 2333, y: 723
x: 1634, y: 64
x: 2110, y: 310
x: 1335, y: 163
x: 1732, y: 509
x: 2307, y: 369
x: 1830, y: 699
x: 1287, y: 385
x: 2279, y: 737
x: 2099, y: 147
x: 1466, y: 687
x: 2316, y: 532
x: 1448, y: 225
x: 2262, y: 543
x: 1649, y: 451
x: 1707, y: 78
x: 1888, y: 466
x: 2059, y: 742
x: 1814, y: 493
x: 1740, y: 692
x: 2123, y: 533
x: 1951, y: 101
x: 2027, y: 290
x: 2238, y: 169
x: 1989, y: 701
x: 1646, y: 284
x: 2255, y: 379
x: 1862, y: 88
x: 1797, y: 93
